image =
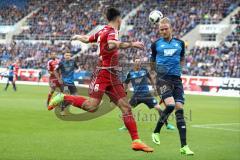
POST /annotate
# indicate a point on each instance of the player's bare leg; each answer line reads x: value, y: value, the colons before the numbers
x: 130, y: 123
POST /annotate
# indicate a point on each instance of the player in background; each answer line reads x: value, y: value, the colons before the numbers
x: 167, y: 59
x: 66, y: 69
x: 105, y: 79
x: 54, y: 83
x: 139, y: 78
x: 11, y: 75
x: 16, y: 69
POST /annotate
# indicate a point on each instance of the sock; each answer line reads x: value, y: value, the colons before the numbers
x: 165, y: 114
x: 181, y: 125
x: 49, y: 97
x: 6, y: 86
x: 14, y: 86
x: 76, y: 101
x: 160, y: 114
x: 130, y: 123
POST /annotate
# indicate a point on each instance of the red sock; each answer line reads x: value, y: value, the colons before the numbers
x: 76, y: 101
x: 130, y: 123
x: 49, y: 97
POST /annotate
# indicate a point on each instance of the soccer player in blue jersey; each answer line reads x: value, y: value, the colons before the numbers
x: 11, y: 75
x: 139, y: 78
x: 167, y: 59
x: 66, y: 68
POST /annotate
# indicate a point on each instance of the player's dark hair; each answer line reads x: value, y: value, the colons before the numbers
x: 112, y: 13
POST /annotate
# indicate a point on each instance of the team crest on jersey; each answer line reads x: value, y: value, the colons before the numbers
x: 169, y: 52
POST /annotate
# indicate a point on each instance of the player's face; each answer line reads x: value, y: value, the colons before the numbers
x: 137, y: 63
x: 165, y: 30
x: 67, y: 56
x: 53, y: 55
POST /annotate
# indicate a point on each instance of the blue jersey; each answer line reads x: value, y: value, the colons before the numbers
x: 67, y: 70
x: 11, y: 71
x: 139, y: 80
x: 167, y: 56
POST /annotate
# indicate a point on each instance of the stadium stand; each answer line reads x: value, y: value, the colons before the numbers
x: 58, y: 20
x: 61, y: 19
x: 11, y: 11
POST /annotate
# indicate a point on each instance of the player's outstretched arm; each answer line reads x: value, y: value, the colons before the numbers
x: 82, y: 38
x: 112, y: 44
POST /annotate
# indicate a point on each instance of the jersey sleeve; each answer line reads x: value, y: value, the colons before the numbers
x: 154, y: 52
x: 183, y: 49
x: 148, y: 74
x: 127, y: 80
x: 48, y: 65
x: 94, y: 37
x: 59, y: 66
x: 75, y: 64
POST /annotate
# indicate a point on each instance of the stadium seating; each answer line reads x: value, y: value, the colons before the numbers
x: 216, y: 62
x: 11, y: 11
x: 61, y: 19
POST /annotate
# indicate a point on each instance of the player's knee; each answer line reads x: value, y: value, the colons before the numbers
x: 179, y: 106
x: 170, y: 108
x: 126, y: 108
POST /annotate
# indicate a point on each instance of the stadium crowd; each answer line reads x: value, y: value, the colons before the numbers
x: 10, y: 13
x: 61, y: 19
x: 222, y: 61
x: 58, y: 18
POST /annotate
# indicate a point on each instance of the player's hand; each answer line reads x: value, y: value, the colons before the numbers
x: 138, y: 45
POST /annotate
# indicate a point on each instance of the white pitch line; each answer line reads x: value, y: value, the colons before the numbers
x: 211, y: 126
x: 218, y: 124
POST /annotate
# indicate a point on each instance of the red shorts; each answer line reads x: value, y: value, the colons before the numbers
x: 54, y: 83
x: 106, y: 83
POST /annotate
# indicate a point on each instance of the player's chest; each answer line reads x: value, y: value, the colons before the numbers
x: 168, y: 49
x: 68, y: 66
x: 137, y: 77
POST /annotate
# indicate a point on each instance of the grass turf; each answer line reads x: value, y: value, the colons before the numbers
x: 29, y: 131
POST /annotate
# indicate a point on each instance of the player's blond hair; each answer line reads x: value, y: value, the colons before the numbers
x: 165, y: 20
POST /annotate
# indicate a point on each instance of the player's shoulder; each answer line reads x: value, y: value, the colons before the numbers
x: 157, y: 41
x: 144, y: 69
x: 179, y: 40
x: 49, y: 61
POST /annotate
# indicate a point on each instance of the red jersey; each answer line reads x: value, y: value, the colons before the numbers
x: 16, y: 68
x: 106, y: 58
x: 51, y: 66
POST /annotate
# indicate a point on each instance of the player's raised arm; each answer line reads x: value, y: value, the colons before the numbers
x: 113, y: 44
x: 82, y: 38
x: 153, y: 56
x: 182, y: 54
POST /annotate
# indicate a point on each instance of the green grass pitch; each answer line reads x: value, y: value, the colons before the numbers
x: 28, y: 131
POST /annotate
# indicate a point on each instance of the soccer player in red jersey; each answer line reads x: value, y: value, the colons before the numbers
x: 53, y: 80
x: 16, y: 68
x: 105, y: 79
